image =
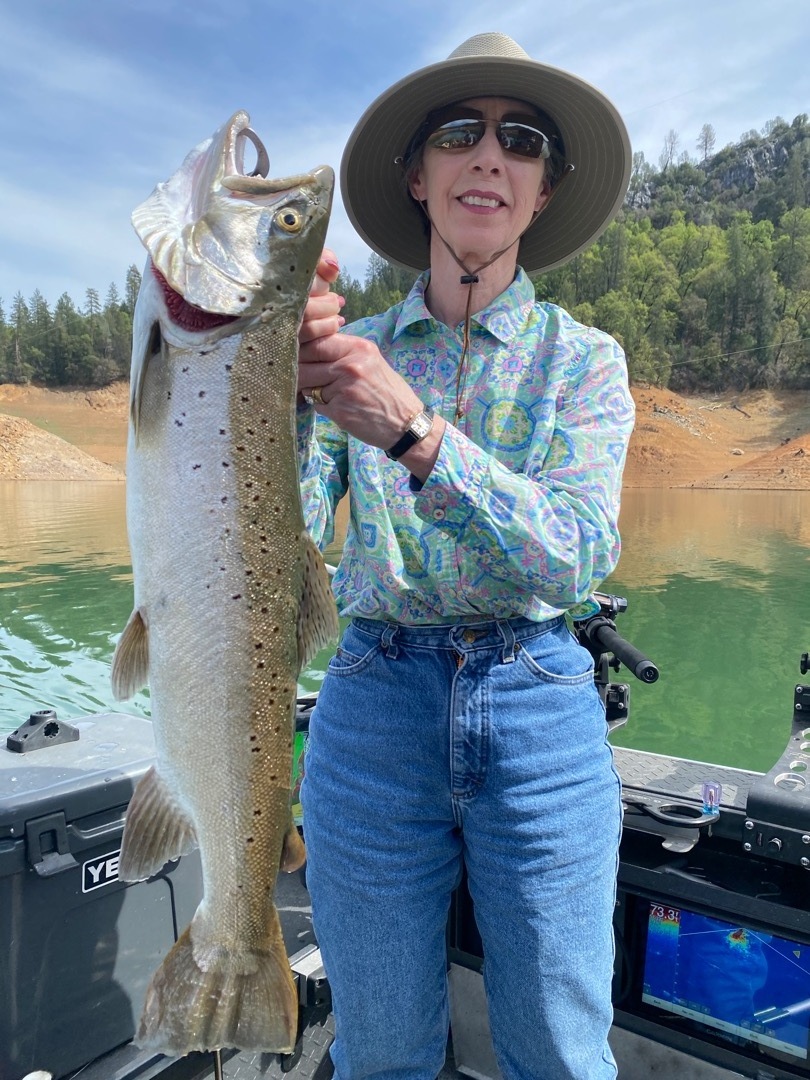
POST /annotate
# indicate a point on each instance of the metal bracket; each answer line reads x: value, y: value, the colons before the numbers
x: 46, y: 842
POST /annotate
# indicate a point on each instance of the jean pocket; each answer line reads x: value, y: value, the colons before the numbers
x: 354, y: 653
x: 556, y: 657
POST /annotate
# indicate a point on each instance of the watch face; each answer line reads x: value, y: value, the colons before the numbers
x: 421, y: 425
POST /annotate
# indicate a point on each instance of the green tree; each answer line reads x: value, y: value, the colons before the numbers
x: 118, y: 344
x: 73, y: 349
x: 40, y: 349
x: 131, y: 288
x: 706, y: 141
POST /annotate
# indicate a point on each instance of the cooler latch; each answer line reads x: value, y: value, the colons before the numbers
x: 46, y: 841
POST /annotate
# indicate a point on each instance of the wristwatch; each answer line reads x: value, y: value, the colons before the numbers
x: 418, y: 427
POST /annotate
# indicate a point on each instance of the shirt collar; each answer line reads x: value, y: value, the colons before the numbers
x: 504, y: 318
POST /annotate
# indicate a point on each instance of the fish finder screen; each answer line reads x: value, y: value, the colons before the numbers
x: 749, y: 985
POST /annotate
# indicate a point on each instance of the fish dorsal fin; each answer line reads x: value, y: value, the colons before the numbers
x: 130, y: 664
x: 317, y: 614
x: 157, y: 829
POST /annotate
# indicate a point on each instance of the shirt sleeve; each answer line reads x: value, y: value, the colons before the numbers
x: 552, y: 530
x: 323, y: 471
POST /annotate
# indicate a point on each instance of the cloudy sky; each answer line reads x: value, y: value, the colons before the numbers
x: 102, y: 98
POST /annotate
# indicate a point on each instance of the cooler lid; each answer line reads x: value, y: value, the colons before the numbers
x: 96, y: 772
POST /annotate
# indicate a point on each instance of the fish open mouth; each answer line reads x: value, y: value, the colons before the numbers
x: 186, y: 315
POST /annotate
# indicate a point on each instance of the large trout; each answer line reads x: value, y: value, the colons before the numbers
x: 231, y: 595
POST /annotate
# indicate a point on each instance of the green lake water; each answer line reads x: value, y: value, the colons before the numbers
x: 716, y: 583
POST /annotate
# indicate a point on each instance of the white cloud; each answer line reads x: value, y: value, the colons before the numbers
x: 109, y: 99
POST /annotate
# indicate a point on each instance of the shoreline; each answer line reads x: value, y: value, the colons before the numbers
x: 756, y: 440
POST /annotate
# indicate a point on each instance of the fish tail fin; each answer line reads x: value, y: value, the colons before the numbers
x: 213, y: 997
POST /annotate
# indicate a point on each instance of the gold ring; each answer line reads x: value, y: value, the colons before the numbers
x: 317, y: 397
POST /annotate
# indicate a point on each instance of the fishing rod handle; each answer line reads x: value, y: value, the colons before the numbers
x: 632, y: 658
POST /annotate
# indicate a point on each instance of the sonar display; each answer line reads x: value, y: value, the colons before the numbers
x: 749, y: 985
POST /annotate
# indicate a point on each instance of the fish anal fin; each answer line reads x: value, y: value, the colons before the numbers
x: 205, y: 996
x: 156, y: 830
x: 130, y: 664
x: 293, y: 852
x: 317, y: 614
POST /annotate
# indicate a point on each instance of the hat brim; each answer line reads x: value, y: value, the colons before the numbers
x: 595, y: 138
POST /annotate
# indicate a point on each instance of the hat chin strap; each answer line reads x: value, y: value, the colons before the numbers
x: 470, y: 278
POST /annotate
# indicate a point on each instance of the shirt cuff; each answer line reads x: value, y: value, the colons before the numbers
x: 451, y: 494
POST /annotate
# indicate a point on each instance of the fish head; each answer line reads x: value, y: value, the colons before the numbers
x: 233, y: 243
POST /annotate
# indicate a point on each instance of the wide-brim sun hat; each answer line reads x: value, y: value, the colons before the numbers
x: 595, y: 141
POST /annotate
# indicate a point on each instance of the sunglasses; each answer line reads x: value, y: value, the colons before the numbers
x: 514, y: 137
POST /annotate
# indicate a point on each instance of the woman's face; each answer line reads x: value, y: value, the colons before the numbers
x: 480, y: 198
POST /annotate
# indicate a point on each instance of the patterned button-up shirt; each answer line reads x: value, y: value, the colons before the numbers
x: 519, y: 514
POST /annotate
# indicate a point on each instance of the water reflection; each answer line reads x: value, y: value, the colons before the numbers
x: 709, y: 534
x: 68, y: 522
x: 65, y: 593
x: 716, y: 583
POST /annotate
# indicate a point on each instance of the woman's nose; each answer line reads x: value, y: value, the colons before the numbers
x: 488, y: 153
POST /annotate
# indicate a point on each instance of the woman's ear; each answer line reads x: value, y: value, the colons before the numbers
x: 543, y: 195
x: 416, y: 185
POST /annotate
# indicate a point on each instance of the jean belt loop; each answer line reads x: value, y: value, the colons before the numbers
x: 508, y: 635
x: 388, y: 641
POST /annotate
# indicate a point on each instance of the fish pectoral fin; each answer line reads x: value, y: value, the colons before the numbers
x: 293, y: 852
x: 317, y: 614
x: 157, y: 829
x: 130, y: 664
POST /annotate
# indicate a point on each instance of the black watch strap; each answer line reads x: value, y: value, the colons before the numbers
x: 418, y: 428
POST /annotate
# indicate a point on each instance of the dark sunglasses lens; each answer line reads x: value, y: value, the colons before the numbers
x: 519, y: 139
x: 523, y: 140
x: 457, y: 135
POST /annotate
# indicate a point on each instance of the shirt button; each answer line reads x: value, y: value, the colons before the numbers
x: 438, y: 514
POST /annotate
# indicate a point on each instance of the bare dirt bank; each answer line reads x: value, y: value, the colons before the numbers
x: 76, y: 434
x: 760, y: 439
x: 29, y: 453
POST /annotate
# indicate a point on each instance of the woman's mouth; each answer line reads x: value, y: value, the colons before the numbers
x: 490, y: 201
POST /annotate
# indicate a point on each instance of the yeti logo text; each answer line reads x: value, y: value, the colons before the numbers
x: 100, y: 871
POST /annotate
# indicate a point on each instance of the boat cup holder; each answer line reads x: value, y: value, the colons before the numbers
x: 680, y: 815
x: 790, y: 781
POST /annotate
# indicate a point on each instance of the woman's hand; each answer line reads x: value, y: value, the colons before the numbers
x: 322, y: 312
x: 357, y: 389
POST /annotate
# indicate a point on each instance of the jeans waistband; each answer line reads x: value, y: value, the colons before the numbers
x: 459, y: 636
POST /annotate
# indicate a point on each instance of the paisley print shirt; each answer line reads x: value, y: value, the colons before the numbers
x: 519, y: 515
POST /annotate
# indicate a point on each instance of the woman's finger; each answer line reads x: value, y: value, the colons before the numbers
x: 312, y: 329
x: 326, y: 273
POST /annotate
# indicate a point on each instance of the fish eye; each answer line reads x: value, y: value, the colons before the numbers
x: 289, y: 220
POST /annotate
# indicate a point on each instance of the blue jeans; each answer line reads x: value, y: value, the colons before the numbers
x: 486, y: 743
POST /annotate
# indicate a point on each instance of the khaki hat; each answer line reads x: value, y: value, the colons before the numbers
x: 487, y: 65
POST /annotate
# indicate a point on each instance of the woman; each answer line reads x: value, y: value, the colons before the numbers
x: 482, y: 437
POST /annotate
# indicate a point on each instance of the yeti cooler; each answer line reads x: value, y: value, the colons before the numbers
x: 79, y: 946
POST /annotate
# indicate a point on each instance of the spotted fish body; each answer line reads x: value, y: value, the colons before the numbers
x: 231, y: 596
